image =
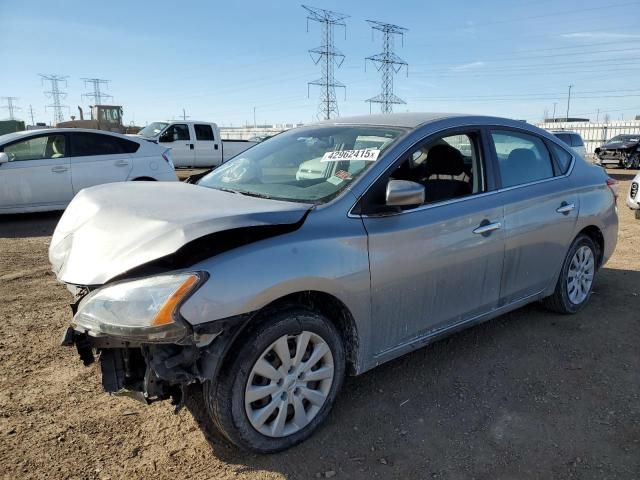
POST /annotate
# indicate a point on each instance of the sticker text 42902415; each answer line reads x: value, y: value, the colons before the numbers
x: 370, y: 155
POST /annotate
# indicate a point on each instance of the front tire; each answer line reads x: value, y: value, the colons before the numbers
x: 280, y: 383
x: 575, y: 282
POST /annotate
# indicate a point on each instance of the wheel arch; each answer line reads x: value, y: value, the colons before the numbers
x: 595, y: 234
x: 143, y: 179
x: 324, y: 303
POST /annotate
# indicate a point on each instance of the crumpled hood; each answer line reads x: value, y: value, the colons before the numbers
x: 108, y: 229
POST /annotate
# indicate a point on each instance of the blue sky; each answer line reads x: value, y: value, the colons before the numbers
x: 219, y: 60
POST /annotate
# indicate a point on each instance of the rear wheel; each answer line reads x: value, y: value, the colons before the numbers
x: 576, y: 277
x: 280, y: 384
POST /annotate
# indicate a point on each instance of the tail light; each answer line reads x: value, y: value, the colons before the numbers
x: 614, y: 186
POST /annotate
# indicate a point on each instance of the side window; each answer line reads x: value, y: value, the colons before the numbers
x: 448, y: 167
x: 90, y: 144
x: 204, y: 132
x: 563, y: 158
x: 127, y: 146
x: 179, y: 131
x: 38, y: 148
x: 522, y: 158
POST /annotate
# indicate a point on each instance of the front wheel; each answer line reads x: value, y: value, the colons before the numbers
x: 576, y: 277
x: 281, y: 382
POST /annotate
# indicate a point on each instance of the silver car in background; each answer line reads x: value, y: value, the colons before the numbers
x: 255, y: 291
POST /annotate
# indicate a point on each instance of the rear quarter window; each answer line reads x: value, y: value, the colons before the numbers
x: 204, y: 132
x: 562, y: 158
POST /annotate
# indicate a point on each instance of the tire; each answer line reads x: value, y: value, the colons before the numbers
x: 225, y: 396
x: 569, y: 300
x: 144, y: 179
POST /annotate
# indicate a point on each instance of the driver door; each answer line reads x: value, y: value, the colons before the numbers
x: 434, y: 265
x: 179, y: 139
x: 38, y: 174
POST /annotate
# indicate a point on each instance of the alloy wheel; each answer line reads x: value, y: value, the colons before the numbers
x: 580, y: 275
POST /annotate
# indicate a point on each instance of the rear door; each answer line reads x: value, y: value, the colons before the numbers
x: 38, y: 173
x: 540, y: 211
x: 181, y: 140
x: 97, y: 158
x: 207, y: 148
x: 437, y: 264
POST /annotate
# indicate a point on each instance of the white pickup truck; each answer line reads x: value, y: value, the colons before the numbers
x: 194, y: 144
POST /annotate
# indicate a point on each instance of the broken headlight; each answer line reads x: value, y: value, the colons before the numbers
x: 144, y: 310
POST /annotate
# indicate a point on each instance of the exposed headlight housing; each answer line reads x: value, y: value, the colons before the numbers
x: 144, y: 310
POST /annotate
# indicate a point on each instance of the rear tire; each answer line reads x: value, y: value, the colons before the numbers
x: 299, y: 396
x: 575, y: 282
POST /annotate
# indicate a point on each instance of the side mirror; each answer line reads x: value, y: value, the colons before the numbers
x: 166, y: 138
x: 402, y: 193
x: 4, y: 158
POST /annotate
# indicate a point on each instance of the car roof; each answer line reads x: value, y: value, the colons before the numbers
x: 412, y: 120
x: 9, y: 137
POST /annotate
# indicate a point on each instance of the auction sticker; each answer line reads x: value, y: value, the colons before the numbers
x: 370, y: 155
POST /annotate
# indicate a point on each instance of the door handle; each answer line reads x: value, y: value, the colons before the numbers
x: 59, y: 169
x: 215, y: 146
x: 565, y: 208
x: 190, y: 146
x: 486, y: 228
x: 121, y: 163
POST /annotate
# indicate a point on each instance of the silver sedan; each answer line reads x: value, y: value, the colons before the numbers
x: 260, y: 289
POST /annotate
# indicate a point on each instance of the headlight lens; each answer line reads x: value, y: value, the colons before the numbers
x: 138, y: 310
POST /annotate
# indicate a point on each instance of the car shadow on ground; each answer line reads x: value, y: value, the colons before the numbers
x: 25, y: 225
x: 530, y: 391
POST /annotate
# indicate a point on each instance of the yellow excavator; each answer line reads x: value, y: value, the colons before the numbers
x: 103, y: 117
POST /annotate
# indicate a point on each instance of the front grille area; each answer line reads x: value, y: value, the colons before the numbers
x: 634, y: 190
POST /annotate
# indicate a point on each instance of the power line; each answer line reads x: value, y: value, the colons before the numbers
x: 328, y: 56
x: 56, y: 95
x: 388, y: 63
x: 10, y: 106
x: 97, y: 93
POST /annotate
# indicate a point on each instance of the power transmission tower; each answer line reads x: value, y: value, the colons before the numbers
x: 97, y: 94
x: 56, y: 95
x: 328, y: 56
x: 388, y: 63
x: 11, y: 106
x: 33, y: 122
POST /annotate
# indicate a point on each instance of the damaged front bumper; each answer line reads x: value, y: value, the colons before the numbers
x: 149, y: 372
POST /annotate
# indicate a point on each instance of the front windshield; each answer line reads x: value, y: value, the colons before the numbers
x: 152, y: 130
x: 310, y: 165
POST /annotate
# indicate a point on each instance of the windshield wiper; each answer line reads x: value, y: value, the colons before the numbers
x: 253, y: 194
x: 228, y: 190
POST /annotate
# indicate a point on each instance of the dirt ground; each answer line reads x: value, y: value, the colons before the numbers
x: 527, y: 395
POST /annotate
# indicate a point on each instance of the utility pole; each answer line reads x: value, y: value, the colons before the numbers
x: 568, y: 102
x: 184, y: 115
x: 597, y: 115
x: 33, y: 122
x: 97, y: 95
x: 554, y: 111
x: 56, y: 95
x: 254, y: 118
x: 11, y: 106
x: 388, y: 63
x: 328, y: 56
